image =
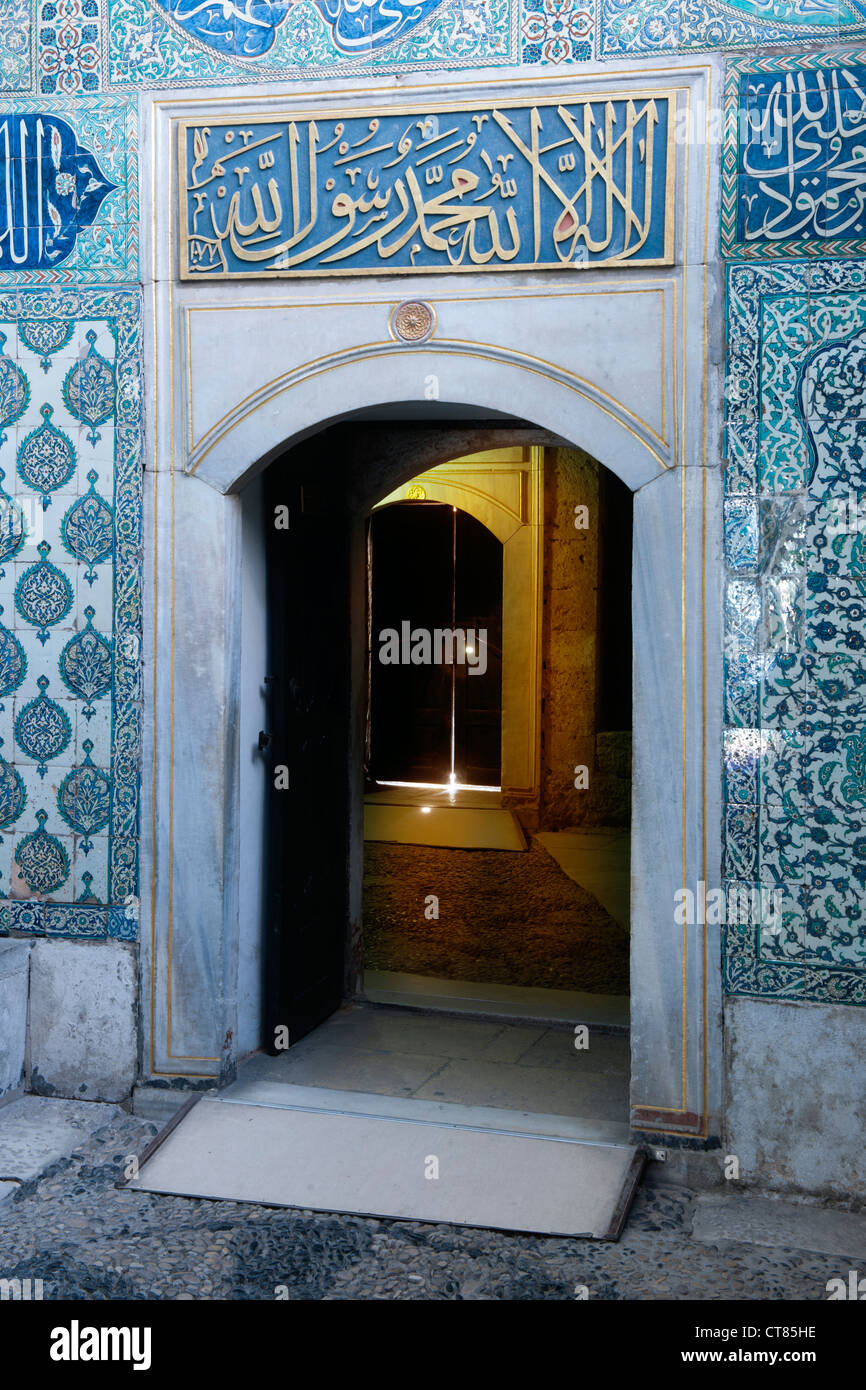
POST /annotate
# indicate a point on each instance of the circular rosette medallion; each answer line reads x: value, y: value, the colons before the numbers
x: 42, y: 861
x: 89, y: 390
x: 84, y: 799
x: 14, y: 391
x: 413, y: 322
x: 42, y: 729
x: 88, y: 528
x: 46, y: 459
x: 43, y: 594
x: 85, y: 665
x: 46, y: 336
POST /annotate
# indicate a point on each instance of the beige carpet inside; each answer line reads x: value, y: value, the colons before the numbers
x: 509, y: 919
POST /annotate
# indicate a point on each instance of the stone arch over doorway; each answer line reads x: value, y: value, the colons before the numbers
x: 616, y: 363
x: 674, y: 827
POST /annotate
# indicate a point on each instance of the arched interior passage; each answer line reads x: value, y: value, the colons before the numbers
x: 324, y: 648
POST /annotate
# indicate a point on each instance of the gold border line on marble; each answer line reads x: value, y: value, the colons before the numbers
x: 685, y: 989
x: 684, y: 880
x: 686, y: 278
x: 706, y: 1035
x: 696, y: 70
x: 302, y: 112
x: 651, y: 287
x: 171, y: 1056
x: 153, y: 846
x: 388, y: 352
x: 705, y: 1003
x: 705, y: 962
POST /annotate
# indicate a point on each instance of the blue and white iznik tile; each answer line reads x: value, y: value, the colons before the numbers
x: 70, y: 593
x: 178, y: 43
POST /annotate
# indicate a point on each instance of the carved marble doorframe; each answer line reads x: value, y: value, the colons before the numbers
x: 626, y: 368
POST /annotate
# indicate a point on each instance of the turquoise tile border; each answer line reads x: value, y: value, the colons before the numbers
x: 654, y: 27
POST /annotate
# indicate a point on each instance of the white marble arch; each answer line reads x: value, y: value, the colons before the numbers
x: 620, y: 363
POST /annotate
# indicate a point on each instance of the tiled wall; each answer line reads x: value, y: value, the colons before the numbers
x: 70, y: 711
x: 70, y: 501
x: 72, y: 47
x: 67, y: 47
x: 795, y: 533
x: 70, y: 579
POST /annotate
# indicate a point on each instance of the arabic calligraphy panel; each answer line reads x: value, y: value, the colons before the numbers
x: 248, y: 28
x: 545, y: 186
x: 794, y: 171
x: 69, y: 200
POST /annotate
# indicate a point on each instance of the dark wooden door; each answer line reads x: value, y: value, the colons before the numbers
x: 435, y: 567
x: 410, y: 705
x: 309, y: 695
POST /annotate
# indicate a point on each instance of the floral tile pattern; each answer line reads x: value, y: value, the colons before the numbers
x: 556, y: 31
x: 795, y: 752
x: 16, y: 45
x: 70, y: 611
x: 177, y: 43
x: 659, y: 26
x: 70, y: 46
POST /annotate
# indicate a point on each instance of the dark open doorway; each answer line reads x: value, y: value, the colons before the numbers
x: 436, y: 593
x: 327, y: 610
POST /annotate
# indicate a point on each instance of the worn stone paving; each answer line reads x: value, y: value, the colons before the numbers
x: 87, y: 1239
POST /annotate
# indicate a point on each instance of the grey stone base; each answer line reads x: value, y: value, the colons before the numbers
x: 796, y: 1103
x: 35, y: 1132
x: 700, y: 1171
x: 14, y: 979
x: 789, y: 1225
x: 82, y: 1020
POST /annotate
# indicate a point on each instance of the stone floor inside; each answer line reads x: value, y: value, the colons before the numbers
x: 464, y: 1061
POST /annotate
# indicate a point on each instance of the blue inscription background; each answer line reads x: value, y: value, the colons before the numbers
x: 549, y: 185
x: 802, y: 155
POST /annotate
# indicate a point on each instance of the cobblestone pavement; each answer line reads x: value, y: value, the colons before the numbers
x: 87, y: 1239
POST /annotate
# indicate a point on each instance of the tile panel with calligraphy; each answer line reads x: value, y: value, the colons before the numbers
x: 68, y: 191
x: 794, y: 160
